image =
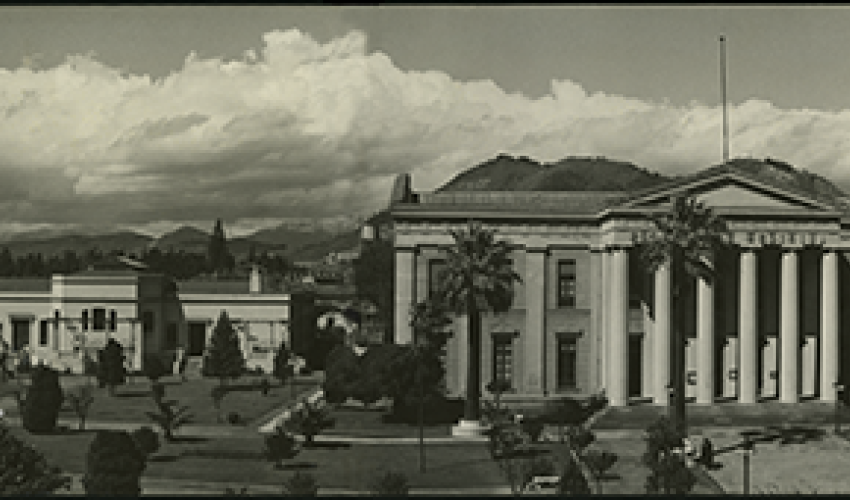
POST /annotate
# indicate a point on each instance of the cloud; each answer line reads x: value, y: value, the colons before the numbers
x: 300, y: 128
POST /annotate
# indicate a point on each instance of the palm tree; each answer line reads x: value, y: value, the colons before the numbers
x: 478, y: 278
x: 688, y: 236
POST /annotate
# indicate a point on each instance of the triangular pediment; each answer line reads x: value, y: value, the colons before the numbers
x: 732, y: 191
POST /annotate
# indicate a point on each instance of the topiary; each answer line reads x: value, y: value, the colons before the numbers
x: 114, y: 465
x: 43, y: 401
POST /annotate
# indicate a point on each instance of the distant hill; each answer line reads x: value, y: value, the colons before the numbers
x: 128, y: 241
x: 186, y: 238
x: 336, y: 243
x: 507, y: 173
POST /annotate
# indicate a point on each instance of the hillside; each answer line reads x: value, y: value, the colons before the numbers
x: 506, y: 173
x: 127, y: 241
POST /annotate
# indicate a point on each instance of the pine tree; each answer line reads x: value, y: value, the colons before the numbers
x: 224, y: 358
x: 282, y: 369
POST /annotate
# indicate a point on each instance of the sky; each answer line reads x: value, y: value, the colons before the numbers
x: 150, y: 117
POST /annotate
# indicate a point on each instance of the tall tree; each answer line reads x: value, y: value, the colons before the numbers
x: 374, y: 278
x: 688, y: 237
x: 478, y: 278
x: 217, y: 253
x: 224, y: 359
x: 111, y: 371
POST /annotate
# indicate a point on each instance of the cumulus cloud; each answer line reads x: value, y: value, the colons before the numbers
x: 305, y: 129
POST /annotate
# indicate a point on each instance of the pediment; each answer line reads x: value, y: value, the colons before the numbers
x: 729, y: 191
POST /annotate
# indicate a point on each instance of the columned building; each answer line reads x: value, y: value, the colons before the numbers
x: 589, y: 317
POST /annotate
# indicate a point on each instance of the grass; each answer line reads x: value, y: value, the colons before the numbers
x: 343, y: 466
x: 133, y: 399
x: 372, y: 422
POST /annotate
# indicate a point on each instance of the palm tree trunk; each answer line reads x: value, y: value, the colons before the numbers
x: 678, y: 373
x: 472, y: 408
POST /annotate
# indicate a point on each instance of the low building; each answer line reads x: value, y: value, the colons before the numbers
x: 65, y: 318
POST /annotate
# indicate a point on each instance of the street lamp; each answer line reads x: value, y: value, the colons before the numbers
x: 839, y: 393
x: 748, y: 447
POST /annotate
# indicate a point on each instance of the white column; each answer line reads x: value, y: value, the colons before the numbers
x: 808, y: 366
x: 748, y: 347
x: 618, y: 338
x: 606, y: 316
x: 789, y: 330
x: 705, y: 342
x: 829, y: 326
x: 535, y: 321
x: 661, y: 336
x: 405, y: 293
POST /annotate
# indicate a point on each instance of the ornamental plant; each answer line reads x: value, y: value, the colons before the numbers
x: 389, y: 483
x: 170, y: 416
x: 280, y: 445
x: 43, y: 401
x: 224, y: 359
x: 24, y: 470
x: 146, y: 439
x: 309, y: 421
x: 114, y: 465
x: 81, y: 400
x: 111, y: 371
x: 301, y: 484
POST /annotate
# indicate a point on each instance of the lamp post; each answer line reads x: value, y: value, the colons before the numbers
x: 747, y: 448
x: 839, y: 393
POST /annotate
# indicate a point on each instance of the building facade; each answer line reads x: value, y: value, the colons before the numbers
x: 59, y: 321
x: 588, y: 316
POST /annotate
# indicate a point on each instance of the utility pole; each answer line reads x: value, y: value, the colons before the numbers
x: 723, y: 98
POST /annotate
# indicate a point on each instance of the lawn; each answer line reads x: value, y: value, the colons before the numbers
x: 238, y: 460
x: 133, y: 399
x: 353, y: 420
x: 816, y: 466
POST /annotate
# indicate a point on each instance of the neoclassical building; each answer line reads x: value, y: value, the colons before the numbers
x: 589, y: 317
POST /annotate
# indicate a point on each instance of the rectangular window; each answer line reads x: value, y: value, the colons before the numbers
x: 171, y: 336
x: 567, y: 356
x: 147, y: 321
x: 503, y: 358
x: 436, y: 267
x: 43, y: 335
x: 567, y: 283
x: 85, y: 320
x: 98, y: 319
x: 113, y: 320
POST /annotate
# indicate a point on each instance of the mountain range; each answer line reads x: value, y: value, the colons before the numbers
x: 305, y: 239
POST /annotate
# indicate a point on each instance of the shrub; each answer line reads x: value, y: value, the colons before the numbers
x: 533, y: 428
x: 43, y: 401
x: 302, y: 484
x: 81, y: 400
x: 494, y: 414
x: 579, y: 438
x: 233, y: 418
x: 233, y: 492
x: 265, y: 387
x: 668, y: 471
x: 707, y: 453
x: 599, y: 462
x: 309, y: 421
x: 24, y: 363
x: 389, y: 484
x: 114, y: 465
x: 89, y: 365
x: 497, y: 387
x: 505, y: 441
x: 154, y: 367
x: 281, y: 365
x: 169, y: 417
x: 146, y: 439
x: 224, y: 358
x: 217, y: 395
x: 342, y: 371
x: 572, y: 481
x: 158, y: 391
x: 280, y: 445
x: 111, y: 371
x: 24, y: 470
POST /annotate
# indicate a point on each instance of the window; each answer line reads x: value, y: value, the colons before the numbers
x: 147, y: 321
x: 436, y: 267
x: 567, y: 283
x: 43, y: 335
x: 113, y: 320
x: 567, y: 356
x: 98, y: 319
x: 171, y: 336
x: 85, y: 319
x: 503, y: 358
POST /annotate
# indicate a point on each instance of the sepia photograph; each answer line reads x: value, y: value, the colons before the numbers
x: 424, y: 250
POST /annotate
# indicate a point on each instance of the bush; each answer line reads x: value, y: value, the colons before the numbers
x: 505, y: 441
x: 43, y: 401
x: 533, y: 428
x: 389, y: 484
x: 302, y: 484
x: 169, y: 417
x: 233, y: 418
x: 342, y: 371
x: 599, y: 462
x: 668, y: 471
x: 114, y: 465
x: 81, y: 400
x: 572, y: 481
x: 280, y: 445
x: 281, y: 365
x: 154, y: 367
x: 310, y: 420
x: 111, y: 370
x: 89, y: 365
x: 146, y: 439
x: 579, y: 438
x: 25, y: 470
x: 158, y: 391
x: 707, y: 453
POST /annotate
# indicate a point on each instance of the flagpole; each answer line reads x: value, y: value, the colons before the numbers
x: 723, y: 97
